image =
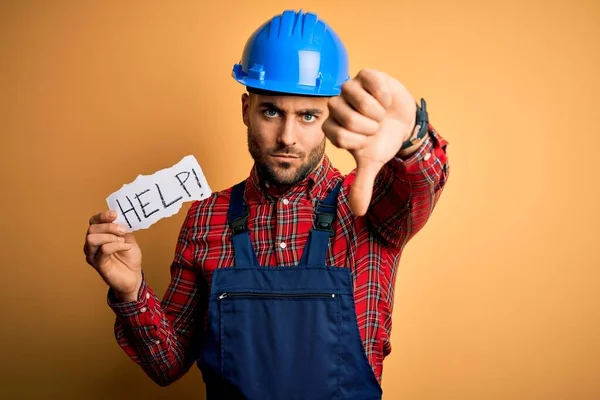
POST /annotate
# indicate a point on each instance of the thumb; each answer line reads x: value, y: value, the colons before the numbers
x: 362, y: 188
x: 129, y: 238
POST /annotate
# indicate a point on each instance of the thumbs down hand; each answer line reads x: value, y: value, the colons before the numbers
x: 371, y: 118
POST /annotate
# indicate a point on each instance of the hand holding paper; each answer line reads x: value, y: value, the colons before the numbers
x: 115, y: 255
x: 111, y: 248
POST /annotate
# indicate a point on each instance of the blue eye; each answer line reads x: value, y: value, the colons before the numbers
x: 270, y: 113
x: 308, y: 117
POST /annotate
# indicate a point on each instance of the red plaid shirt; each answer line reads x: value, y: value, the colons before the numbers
x: 163, y: 337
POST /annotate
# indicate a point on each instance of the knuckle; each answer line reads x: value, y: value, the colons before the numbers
x: 374, y: 109
x: 102, y: 249
x: 366, y: 104
x: 112, y: 228
x: 365, y: 73
x: 334, y: 136
x: 333, y: 103
x: 94, y: 228
x: 348, y: 86
x: 96, y: 218
x: 351, y: 121
x: 378, y: 90
x: 343, y: 140
x: 336, y: 141
x: 89, y: 240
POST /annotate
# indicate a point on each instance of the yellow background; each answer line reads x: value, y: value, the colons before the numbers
x: 497, y: 298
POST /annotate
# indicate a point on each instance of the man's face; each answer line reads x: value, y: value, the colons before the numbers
x: 285, y: 137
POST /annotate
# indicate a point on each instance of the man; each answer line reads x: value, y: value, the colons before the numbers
x: 282, y: 286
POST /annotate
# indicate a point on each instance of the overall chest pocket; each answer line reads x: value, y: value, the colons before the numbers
x: 281, y: 345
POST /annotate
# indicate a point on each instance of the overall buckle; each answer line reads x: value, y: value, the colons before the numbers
x: 239, y: 225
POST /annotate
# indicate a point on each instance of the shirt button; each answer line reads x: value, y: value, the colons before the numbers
x: 285, y: 201
x: 143, y: 309
x: 267, y: 185
x: 147, y: 295
x: 157, y: 341
x: 282, y: 245
x: 427, y: 156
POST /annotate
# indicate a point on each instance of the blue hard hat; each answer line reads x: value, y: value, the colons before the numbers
x: 295, y: 53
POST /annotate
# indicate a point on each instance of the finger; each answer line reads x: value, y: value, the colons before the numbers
x: 377, y: 85
x: 99, y: 239
x: 95, y: 240
x: 351, y: 119
x: 110, y: 227
x: 361, y: 190
x: 129, y: 238
x: 114, y: 247
x: 363, y: 102
x: 343, y: 138
x: 105, y: 216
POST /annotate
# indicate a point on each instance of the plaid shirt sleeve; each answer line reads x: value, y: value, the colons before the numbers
x: 406, y: 191
x: 163, y: 337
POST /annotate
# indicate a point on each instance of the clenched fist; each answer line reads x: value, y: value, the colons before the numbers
x: 371, y: 118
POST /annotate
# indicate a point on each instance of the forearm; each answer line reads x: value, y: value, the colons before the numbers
x: 407, y: 190
x: 163, y: 345
x: 427, y: 172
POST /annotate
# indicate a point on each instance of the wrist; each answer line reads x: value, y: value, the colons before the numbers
x: 410, y: 151
x: 418, y: 134
x: 128, y: 297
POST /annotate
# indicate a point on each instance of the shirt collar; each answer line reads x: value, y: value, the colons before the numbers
x: 320, y: 181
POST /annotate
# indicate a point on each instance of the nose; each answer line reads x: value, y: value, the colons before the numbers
x: 287, y: 132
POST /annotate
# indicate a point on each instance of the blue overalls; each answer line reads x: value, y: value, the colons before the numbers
x: 284, y: 333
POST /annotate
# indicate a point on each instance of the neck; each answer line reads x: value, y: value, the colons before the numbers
x: 279, y: 188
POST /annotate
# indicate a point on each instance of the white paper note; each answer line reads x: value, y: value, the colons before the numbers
x: 150, y: 198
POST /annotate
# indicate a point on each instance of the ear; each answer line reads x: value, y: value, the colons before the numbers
x: 245, y: 108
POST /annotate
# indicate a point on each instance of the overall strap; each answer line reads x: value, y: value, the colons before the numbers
x: 315, y: 250
x: 238, y: 219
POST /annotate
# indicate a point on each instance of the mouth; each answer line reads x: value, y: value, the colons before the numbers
x: 285, y: 156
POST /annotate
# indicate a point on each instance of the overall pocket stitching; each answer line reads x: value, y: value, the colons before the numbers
x: 335, y: 318
x: 221, y: 346
x: 339, y: 344
x: 357, y: 337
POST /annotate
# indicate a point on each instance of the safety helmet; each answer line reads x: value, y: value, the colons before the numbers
x: 294, y: 53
